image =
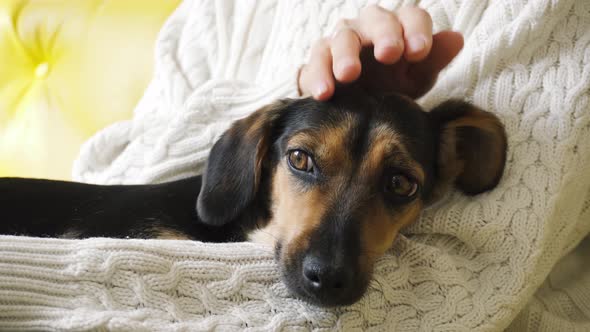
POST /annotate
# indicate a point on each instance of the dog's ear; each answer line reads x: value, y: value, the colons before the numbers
x: 471, y: 147
x: 232, y: 175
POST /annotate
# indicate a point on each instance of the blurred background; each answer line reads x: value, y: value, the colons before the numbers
x: 69, y: 68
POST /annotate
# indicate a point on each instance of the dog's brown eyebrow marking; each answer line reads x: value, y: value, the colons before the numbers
x: 328, y: 144
x: 386, y: 146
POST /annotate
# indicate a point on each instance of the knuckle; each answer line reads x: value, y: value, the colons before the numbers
x: 320, y: 46
x: 386, y: 25
x: 388, y: 18
x: 378, y: 16
x: 344, y: 34
x: 422, y: 13
x: 343, y: 27
x: 416, y: 12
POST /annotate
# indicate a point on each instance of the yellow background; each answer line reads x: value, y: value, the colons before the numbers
x: 67, y: 69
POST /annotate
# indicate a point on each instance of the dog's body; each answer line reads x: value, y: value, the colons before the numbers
x: 329, y: 185
x: 47, y: 208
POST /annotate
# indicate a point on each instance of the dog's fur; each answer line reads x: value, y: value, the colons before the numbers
x: 328, y: 184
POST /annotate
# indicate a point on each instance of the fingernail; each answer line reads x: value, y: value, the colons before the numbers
x: 416, y: 43
x: 390, y: 43
x: 387, y: 46
x: 320, y: 89
x: 345, y: 65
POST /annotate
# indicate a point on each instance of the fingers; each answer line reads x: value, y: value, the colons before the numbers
x: 445, y: 47
x: 417, y: 25
x: 381, y: 28
x: 315, y: 78
x: 406, y: 33
x: 337, y: 59
x: 345, y: 47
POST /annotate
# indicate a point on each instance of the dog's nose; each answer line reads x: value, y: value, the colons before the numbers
x: 320, y: 276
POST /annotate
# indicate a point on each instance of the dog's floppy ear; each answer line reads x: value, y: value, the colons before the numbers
x: 471, y: 147
x: 232, y: 175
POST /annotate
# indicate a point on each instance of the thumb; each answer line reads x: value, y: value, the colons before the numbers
x: 445, y: 47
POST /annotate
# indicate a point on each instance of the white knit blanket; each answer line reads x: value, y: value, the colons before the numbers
x: 470, y: 263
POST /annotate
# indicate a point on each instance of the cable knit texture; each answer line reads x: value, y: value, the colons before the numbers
x: 470, y: 263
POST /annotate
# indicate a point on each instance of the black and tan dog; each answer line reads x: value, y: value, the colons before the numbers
x: 328, y: 184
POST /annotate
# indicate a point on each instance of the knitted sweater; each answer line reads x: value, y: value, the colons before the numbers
x: 469, y: 263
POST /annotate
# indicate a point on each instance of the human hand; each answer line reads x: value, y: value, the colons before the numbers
x: 395, y: 51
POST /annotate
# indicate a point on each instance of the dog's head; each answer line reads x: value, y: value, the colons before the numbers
x: 337, y: 180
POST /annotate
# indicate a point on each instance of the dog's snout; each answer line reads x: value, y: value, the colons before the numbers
x: 321, y: 277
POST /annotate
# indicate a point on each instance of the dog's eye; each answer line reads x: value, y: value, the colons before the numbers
x: 401, y: 185
x: 300, y: 161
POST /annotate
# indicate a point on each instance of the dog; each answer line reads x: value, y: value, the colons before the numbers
x: 328, y: 184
